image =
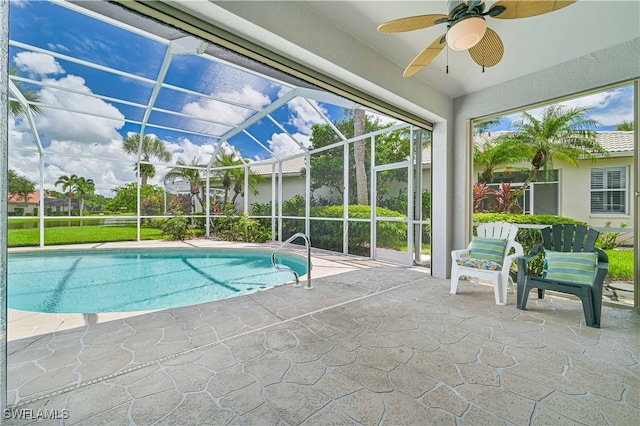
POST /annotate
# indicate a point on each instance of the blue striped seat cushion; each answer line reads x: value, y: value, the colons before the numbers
x: 570, y: 266
x: 488, y: 249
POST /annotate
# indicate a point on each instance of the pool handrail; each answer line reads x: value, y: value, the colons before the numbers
x: 307, y: 243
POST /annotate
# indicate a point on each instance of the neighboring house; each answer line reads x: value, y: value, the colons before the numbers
x: 293, y: 182
x: 18, y: 206
x: 52, y: 206
x: 595, y: 192
x: 60, y: 206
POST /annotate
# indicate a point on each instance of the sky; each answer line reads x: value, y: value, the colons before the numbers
x: 608, y: 108
x: 208, y: 98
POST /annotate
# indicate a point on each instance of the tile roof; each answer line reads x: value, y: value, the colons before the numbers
x: 34, y: 197
x: 290, y: 166
x: 616, y: 141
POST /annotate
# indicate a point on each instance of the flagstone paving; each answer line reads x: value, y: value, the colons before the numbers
x: 371, y: 344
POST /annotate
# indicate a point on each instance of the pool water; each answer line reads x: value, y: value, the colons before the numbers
x: 137, y: 280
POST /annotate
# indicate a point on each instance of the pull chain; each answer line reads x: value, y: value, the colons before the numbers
x: 447, y: 59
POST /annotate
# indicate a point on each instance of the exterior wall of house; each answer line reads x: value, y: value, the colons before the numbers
x: 576, y: 192
x: 291, y: 186
x: 29, y: 208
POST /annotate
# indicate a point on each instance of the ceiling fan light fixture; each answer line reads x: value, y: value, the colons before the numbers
x: 466, y: 33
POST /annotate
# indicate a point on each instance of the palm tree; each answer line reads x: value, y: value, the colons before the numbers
x: 359, y: 156
x: 69, y: 186
x: 152, y: 147
x: 561, y: 134
x: 235, y: 176
x: 84, y: 187
x: 625, y: 126
x: 189, y: 175
x: 16, y: 109
x: 485, y: 125
x: 499, y: 153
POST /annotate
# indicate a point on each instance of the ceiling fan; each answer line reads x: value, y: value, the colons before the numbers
x: 467, y: 28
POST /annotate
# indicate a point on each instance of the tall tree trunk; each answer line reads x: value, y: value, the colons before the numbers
x: 359, y: 154
x: 520, y: 191
x: 143, y: 179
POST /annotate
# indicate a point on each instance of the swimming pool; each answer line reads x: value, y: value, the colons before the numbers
x: 137, y: 280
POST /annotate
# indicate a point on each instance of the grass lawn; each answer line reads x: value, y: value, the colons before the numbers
x: 80, y: 234
x: 620, y: 264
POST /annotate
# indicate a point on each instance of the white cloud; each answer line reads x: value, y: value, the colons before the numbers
x: 105, y: 173
x: 226, y: 113
x: 608, y: 108
x: 69, y: 133
x: 282, y: 145
x: 20, y: 3
x: 303, y: 115
x: 187, y: 150
x: 64, y: 125
x: 383, y: 120
x: 57, y: 47
x: 37, y: 64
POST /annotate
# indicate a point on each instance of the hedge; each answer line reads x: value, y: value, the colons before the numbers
x: 328, y: 234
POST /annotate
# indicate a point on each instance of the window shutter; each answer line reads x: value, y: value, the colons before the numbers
x: 597, y: 179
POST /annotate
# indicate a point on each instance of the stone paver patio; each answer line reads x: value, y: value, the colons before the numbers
x: 372, y: 344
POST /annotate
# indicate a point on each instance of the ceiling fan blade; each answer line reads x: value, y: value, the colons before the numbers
x: 426, y: 56
x: 488, y: 52
x: 514, y: 9
x: 412, y: 23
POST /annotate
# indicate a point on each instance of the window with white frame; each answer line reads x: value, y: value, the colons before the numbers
x: 609, y: 190
x: 540, y: 197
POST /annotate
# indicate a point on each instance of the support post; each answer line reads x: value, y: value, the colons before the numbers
x: 4, y: 195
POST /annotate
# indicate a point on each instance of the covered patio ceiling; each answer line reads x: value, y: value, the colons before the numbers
x: 100, y: 79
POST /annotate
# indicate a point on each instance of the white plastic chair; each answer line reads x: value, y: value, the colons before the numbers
x: 499, y: 277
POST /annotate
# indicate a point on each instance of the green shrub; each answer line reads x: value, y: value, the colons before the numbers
x: 180, y: 204
x: 611, y: 240
x: 177, y: 228
x: 328, y: 234
x: 251, y: 231
x: 151, y: 205
x: 157, y: 222
x: 295, y: 206
x: 401, y: 203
